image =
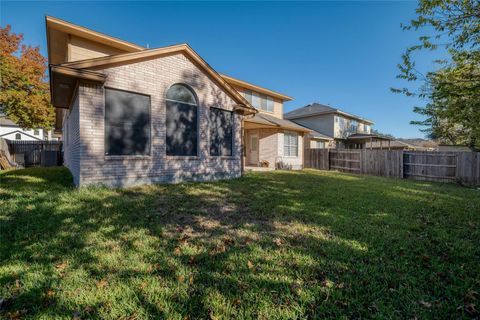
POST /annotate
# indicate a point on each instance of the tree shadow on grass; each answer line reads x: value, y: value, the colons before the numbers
x: 277, y: 245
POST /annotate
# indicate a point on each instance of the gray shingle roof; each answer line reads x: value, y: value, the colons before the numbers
x: 317, y: 108
x: 4, y: 121
x: 271, y: 120
x: 316, y: 134
x: 309, y: 110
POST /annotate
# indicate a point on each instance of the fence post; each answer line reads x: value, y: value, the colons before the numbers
x: 328, y: 159
x: 402, y: 175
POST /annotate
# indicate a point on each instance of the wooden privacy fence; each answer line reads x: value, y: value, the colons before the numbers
x: 36, y: 153
x: 461, y: 167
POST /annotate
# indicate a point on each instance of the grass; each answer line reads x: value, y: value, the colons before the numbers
x: 276, y: 245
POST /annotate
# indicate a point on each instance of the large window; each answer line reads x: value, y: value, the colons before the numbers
x: 290, y: 144
x: 221, y: 132
x: 181, y: 121
x: 127, y: 123
x: 259, y: 101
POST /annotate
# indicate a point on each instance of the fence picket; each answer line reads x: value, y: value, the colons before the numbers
x: 463, y: 167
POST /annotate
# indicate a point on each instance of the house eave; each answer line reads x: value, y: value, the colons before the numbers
x: 63, y: 81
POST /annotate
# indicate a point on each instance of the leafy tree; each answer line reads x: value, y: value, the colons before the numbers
x: 452, y: 91
x: 24, y: 93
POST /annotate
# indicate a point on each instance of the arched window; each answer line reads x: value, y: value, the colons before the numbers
x: 18, y: 136
x: 181, y: 121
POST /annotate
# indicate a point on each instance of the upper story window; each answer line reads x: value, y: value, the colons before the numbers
x: 259, y: 101
x: 36, y: 132
x: 366, y: 128
x: 18, y: 136
x: 181, y: 121
x: 353, y: 126
x: 127, y: 123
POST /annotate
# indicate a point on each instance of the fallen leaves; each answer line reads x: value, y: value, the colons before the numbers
x: 250, y: 264
x: 425, y: 304
x: 102, y: 283
x: 177, y: 252
x: 278, y: 241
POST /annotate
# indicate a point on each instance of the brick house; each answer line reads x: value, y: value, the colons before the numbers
x: 131, y: 115
x: 334, y: 128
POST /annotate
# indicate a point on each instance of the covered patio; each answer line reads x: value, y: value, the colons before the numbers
x: 265, y: 146
x: 360, y: 141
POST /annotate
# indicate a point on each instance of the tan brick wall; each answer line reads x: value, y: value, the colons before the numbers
x: 271, y: 148
x: 71, y: 140
x: 154, y: 78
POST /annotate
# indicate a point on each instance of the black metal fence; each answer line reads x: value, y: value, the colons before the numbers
x: 36, y: 153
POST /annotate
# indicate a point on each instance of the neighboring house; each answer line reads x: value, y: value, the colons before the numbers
x: 395, y: 145
x: 334, y: 127
x: 268, y: 138
x: 132, y: 115
x: 9, y: 130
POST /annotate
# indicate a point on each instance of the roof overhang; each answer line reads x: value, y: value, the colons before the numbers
x: 102, y: 62
x: 73, y: 29
x: 313, y: 136
x: 260, y: 123
x: 362, y: 138
x: 256, y: 88
x: 63, y: 82
x: 346, y: 114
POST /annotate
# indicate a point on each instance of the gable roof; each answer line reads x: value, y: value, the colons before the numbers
x: 262, y: 118
x: 254, y: 87
x: 319, y: 135
x: 53, y: 23
x: 89, y: 65
x: 21, y: 132
x: 316, y: 109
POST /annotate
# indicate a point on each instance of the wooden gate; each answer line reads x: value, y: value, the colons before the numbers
x: 345, y: 160
x: 430, y: 166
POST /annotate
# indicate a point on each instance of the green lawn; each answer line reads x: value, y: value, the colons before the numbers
x: 276, y: 245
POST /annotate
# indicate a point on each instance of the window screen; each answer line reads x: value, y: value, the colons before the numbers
x: 127, y: 123
x: 221, y: 132
x: 181, y: 122
x: 290, y: 144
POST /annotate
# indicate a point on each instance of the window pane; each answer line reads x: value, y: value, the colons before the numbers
x: 181, y: 93
x: 263, y: 102
x: 181, y: 127
x: 127, y: 123
x: 221, y: 132
x: 270, y: 105
x: 255, y: 100
x: 290, y: 148
x: 248, y: 96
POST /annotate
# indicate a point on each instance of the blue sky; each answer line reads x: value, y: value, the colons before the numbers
x: 338, y: 53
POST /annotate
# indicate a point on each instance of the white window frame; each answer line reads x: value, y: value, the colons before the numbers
x: 290, y: 142
x: 270, y: 104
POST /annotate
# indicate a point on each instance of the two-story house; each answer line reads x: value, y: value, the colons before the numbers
x: 134, y: 115
x: 269, y: 139
x: 333, y: 128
